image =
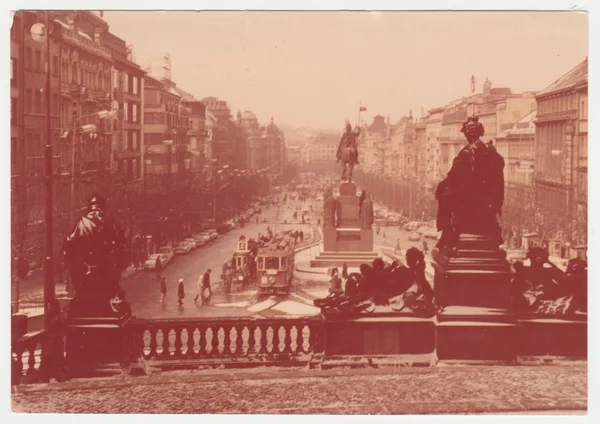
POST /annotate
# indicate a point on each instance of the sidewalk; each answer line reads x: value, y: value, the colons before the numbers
x: 31, y: 290
x: 444, y: 390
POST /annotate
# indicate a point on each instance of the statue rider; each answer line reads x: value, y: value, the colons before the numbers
x: 347, y: 152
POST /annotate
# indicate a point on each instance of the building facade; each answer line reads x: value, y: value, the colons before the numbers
x: 560, y: 175
x: 517, y: 147
x: 28, y: 131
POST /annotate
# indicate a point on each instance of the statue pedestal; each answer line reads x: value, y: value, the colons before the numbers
x: 94, y: 338
x: 347, y: 243
x: 473, y: 285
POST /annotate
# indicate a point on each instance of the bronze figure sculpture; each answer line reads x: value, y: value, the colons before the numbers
x: 347, y: 152
x: 470, y: 198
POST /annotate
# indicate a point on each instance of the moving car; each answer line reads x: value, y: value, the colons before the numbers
x: 167, y: 254
x: 414, y: 236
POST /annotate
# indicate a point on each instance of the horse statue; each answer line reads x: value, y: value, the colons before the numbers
x: 347, y: 152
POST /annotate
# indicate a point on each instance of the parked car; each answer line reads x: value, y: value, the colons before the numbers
x: 431, y: 233
x: 191, y: 241
x: 182, y: 248
x: 414, y: 236
x: 150, y: 263
x: 201, y: 239
x: 167, y: 254
x: 423, y: 229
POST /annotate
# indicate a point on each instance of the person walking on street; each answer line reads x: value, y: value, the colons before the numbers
x: 206, y: 285
x: 397, y: 248
x: 158, y: 267
x: 163, y: 289
x: 425, y: 247
x: 180, y: 292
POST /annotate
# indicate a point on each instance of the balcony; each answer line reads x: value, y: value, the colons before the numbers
x: 84, y: 42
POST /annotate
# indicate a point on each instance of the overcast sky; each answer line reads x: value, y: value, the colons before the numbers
x: 313, y: 68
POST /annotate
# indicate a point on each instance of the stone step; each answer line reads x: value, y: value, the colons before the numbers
x: 477, y: 314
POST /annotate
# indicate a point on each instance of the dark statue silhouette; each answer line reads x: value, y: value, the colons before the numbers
x: 95, y: 252
x: 347, y: 152
x: 379, y: 284
x: 330, y: 210
x: 470, y: 198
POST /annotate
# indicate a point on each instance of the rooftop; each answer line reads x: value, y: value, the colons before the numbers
x: 577, y: 75
x: 526, y: 126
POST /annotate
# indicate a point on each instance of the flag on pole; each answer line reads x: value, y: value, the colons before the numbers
x: 362, y: 109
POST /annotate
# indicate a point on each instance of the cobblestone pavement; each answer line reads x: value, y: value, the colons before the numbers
x: 478, y: 389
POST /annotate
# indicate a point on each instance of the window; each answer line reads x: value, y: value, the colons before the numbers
x: 74, y: 74
x: 134, y: 143
x: 13, y: 110
x: 134, y: 113
x: 37, y: 96
x: 28, y: 101
x: 116, y: 79
x: 135, y: 85
x: 126, y: 83
x: 126, y: 112
x: 38, y: 60
x: 13, y: 72
x: 55, y: 64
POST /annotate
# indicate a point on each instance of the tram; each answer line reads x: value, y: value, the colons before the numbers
x: 275, y: 265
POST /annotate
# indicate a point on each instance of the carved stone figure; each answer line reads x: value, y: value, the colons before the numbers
x: 95, y: 253
x: 470, y: 198
x: 366, y: 213
x: 330, y: 207
x: 347, y: 152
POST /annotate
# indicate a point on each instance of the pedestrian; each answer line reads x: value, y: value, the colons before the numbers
x: 345, y: 271
x: 384, y: 235
x: 425, y: 246
x: 163, y: 289
x: 397, y: 248
x: 158, y: 267
x: 206, y: 286
x: 198, y: 289
x: 180, y: 292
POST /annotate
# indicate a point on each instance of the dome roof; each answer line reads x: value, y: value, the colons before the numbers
x: 248, y: 114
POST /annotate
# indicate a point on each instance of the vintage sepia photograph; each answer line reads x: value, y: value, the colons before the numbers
x: 298, y: 212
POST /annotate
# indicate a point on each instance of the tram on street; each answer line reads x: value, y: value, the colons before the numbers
x: 275, y: 265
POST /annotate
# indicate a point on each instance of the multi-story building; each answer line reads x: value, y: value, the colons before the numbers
x: 560, y: 175
x: 433, y: 128
x: 225, y: 137
x: 166, y: 126
x: 517, y: 146
x: 267, y: 151
x: 127, y: 94
x: 321, y: 152
x: 28, y: 56
x: 372, y: 145
x: 450, y: 138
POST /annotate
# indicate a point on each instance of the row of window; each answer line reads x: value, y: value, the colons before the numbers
x: 126, y: 84
x: 131, y: 168
x: 35, y: 103
x: 85, y: 77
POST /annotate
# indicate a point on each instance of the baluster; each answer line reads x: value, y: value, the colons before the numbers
x: 190, y: 342
x: 178, y: 342
x: 264, y: 329
x: 165, y: 343
x: 287, y: 339
x: 239, y: 341
x: 275, y: 339
x: 31, y: 345
x: 202, y: 341
x: 215, y: 340
x: 153, y: 344
x: 299, y: 338
x: 19, y: 364
x: 251, y: 340
x: 227, y: 340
